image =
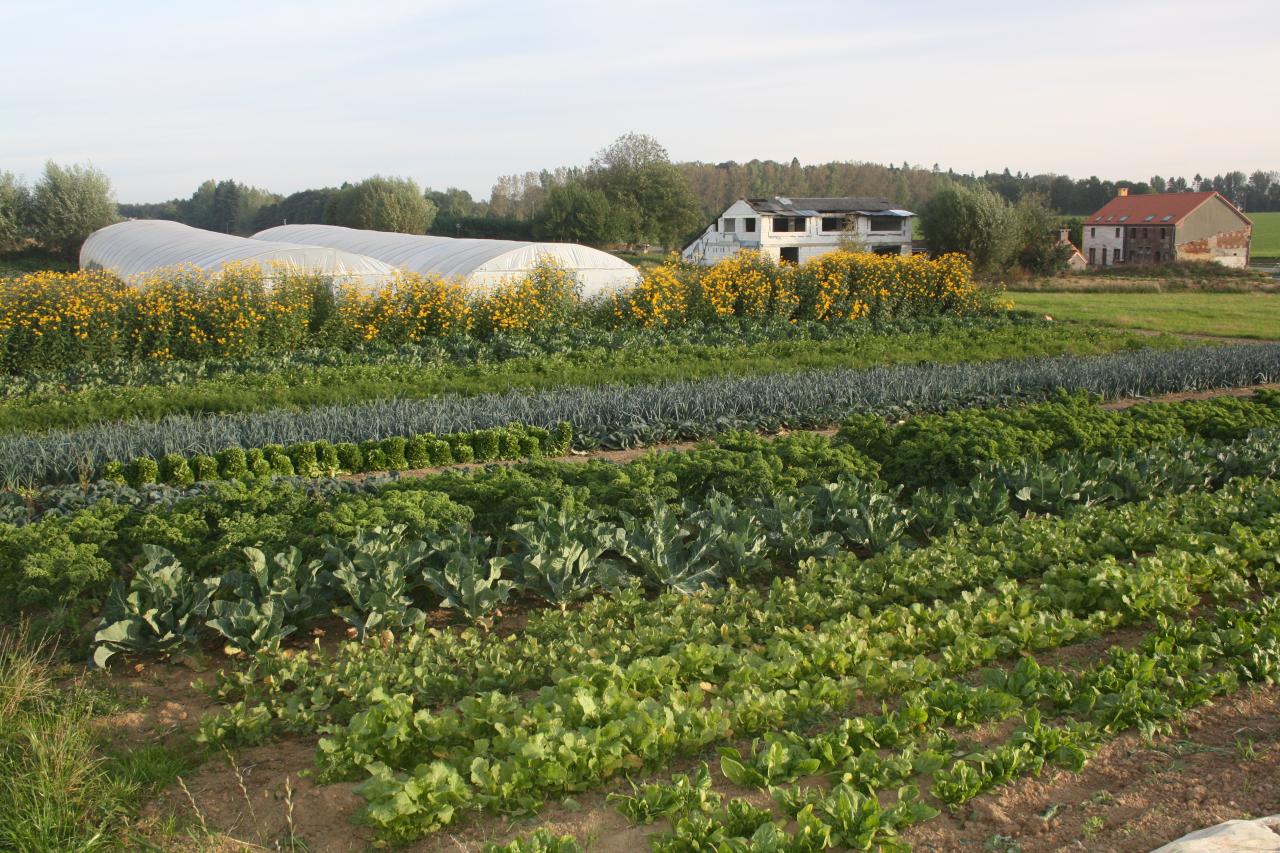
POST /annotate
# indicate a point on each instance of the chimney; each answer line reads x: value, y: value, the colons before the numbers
x: 1064, y: 235
x: 1122, y: 191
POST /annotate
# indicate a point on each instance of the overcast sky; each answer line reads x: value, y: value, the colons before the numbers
x: 162, y: 95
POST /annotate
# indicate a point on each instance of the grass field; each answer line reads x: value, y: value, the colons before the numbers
x: 1237, y: 315
x: 1266, y: 235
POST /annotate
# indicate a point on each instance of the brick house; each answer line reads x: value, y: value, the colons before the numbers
x: 1137, y: 230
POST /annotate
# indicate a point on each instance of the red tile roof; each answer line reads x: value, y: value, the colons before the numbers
x: 1153, y: 208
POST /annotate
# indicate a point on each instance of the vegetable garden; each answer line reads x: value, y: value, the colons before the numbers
x: 873, y: 594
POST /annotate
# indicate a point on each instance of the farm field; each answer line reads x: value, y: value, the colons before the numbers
x: 1235, y: 315
x: 903, y: 576
x: 1266, y: 235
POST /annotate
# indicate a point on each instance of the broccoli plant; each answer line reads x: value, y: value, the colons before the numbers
x: 159, y: 611
x: 268, y: 599
x: 465, y: 575
x: 863, y: 514
x: 559, y: 552
x: 664, y: 555
x: 373, y: 573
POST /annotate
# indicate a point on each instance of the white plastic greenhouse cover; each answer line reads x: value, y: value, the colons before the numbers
x: 140, y: 246
x: 479, y: 262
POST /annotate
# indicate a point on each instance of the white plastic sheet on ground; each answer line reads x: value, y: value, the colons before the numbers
x: 481, y: 263
x: 141, y: 246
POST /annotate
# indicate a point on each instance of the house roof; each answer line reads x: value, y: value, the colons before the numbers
x: 817, y: 206
x: 1154, y: 208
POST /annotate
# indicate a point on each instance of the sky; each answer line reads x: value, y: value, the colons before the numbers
x: 286, y: 96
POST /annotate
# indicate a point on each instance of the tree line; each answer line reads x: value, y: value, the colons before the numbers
x: 630, y: 193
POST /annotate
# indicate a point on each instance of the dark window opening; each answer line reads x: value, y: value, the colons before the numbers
x: 1092, y: 258
x: 788, y: 224
x: 886, y: 223
x: 729, y: 225
x: 887, y: 250
x: 1093, y: 232
x: 789, y: 254
x: 1117, y: 232
x: 835, y: 223
x: 1157, y: 256
x: 749, y: 225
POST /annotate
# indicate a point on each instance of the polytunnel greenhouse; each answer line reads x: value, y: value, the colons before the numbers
x: 140, y: 246
x: 480, y: 263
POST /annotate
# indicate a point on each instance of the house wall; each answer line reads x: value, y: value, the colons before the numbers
x: 1214, y: 232
x: 1148, y: 243
x: 716, y: 245
x: 1099, y: 237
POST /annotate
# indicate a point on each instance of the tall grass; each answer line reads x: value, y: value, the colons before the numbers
x: 59, y: 791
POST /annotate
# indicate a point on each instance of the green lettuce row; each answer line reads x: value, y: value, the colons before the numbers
x: 1178, y: 666
x: 590, y: 728
x: 324, y: 458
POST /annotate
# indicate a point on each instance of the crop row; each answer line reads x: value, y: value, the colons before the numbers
x: 64, y: 543
x: 623, y: 416
x: 322, y: 458
x: 507, y: 753
x: 679, y: 348
x: 1178, y: 666
x: 444, y: 666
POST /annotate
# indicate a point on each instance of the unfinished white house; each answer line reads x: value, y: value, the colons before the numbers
x: 793, y: 230
x: 140, y: 246
x: 479, y: 263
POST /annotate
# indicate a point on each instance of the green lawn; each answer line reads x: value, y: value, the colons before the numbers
x: 1266, y: 235
x: 1242, y: 315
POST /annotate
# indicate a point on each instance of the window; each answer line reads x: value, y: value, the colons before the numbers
x: 1116, y: 258
x: 1157, y: 256
x: 749, y: 225
x: 789, y: 255
x: 887, y: 250
x: 1117, y: 232
x: 729, y: 225
x: 1092, y: 258
x: 788, y: 224
x: 1104, y: 256
x: 1162, y: 233
x: 885, y: 224
x: 1144, y: 233
x: 1093, y: 232
x: 1133, y: 233
x: 834, y: 223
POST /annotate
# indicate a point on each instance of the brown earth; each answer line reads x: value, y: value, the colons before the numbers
x: 1222, y: 762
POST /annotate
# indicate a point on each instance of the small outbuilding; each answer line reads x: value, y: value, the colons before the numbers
x: 479, y: 263
x: 140, y: 246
